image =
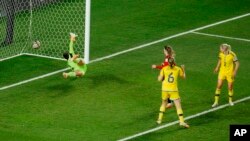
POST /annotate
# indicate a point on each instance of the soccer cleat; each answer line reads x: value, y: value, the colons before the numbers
x: 158, y: 121
x: 231, y: 103
x: 65, y: 75
x: 215, y: 105
x: 185, y: 125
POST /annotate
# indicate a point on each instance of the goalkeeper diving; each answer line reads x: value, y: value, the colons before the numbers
x: 77, y: 64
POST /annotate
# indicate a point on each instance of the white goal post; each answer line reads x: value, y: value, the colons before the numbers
x: 48, y: 21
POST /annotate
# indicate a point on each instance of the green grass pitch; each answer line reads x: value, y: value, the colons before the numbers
x: 120, y: 96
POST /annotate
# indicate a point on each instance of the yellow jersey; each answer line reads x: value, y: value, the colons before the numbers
x: 170, y: 75
x: 227, y: 62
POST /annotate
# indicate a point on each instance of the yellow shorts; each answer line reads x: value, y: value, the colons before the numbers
x: 228, y: 77
x: 172, y: 95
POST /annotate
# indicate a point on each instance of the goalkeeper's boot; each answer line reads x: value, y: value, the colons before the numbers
x: 65, y: 75
x: 183, y: 124
x: 215, y: 105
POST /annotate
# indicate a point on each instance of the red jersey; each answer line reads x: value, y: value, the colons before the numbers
x: 165, y: 63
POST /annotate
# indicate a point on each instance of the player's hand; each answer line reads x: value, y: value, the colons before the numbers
x: 216, y: 70
x: 153, y: 66
x: 73, y: 36
x: 183, y: 67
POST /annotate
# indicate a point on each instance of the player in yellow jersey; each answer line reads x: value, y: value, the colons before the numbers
x: 227, y: 66
x: 169, y: 76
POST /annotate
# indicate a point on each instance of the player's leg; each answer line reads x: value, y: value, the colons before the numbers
x: 71, y: 43
x: 170, y: 104
x: 218, y: 91
x: 164, y: 102
x: 79, y: 73
x: 177, y: 102
x: 179, y: 110
x: 162, y: 111
x: 71, y: 74
x: 230, y: 81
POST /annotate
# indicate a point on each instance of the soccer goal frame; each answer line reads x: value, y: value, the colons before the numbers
x: 85, y: 36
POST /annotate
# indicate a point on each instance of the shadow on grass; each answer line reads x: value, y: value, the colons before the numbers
x: 62, y: 88
x: 103, y: 79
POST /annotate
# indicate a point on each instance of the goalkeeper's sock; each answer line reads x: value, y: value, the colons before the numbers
x: 180, y: 114
x: 72, y: 74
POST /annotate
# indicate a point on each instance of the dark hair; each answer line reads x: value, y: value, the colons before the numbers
x: 171, y: 62
x: 66, y: 55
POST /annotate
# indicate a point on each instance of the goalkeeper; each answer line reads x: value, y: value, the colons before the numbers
x: 76, y: 64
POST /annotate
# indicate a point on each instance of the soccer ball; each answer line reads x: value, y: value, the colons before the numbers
x: 36, y: 44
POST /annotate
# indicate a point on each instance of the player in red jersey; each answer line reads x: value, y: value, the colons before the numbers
x: 169, y: 53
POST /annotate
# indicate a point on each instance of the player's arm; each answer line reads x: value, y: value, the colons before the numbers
x: 237, y: 65
x: 182, y: 72
x: 75, y: 57
x: 217, y: 66
x: 157, y: 67
x: 71, y: 43
x: 161, y: 75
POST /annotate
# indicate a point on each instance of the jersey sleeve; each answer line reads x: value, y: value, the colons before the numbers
x: 159, y: 67
x: 71, y: 49
x: 219, y: 56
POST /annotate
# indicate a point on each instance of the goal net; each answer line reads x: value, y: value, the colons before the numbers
x: 48, y: 21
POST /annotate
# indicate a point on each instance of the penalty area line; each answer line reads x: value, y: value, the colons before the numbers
x: 187, y: 118
x: 170, y: 37
x: 220, y: 36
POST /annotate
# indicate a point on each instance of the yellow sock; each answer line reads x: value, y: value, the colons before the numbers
x: 180, y: 114
x: 162, y: 110
x: 217, y: 95
x: 230, y: 94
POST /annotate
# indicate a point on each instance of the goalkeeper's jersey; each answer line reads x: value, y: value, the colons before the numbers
x: 74, y: 66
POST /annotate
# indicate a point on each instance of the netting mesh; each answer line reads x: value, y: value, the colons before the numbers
x: 48, y: 21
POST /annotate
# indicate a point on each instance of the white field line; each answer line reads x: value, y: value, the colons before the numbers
x: 10, y: 57
x: 220, y: 36
x: 43, y: 56
x: 170, y: 37
x: 32, y: 79
x: 187, y: 118
x: 132, y: 49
